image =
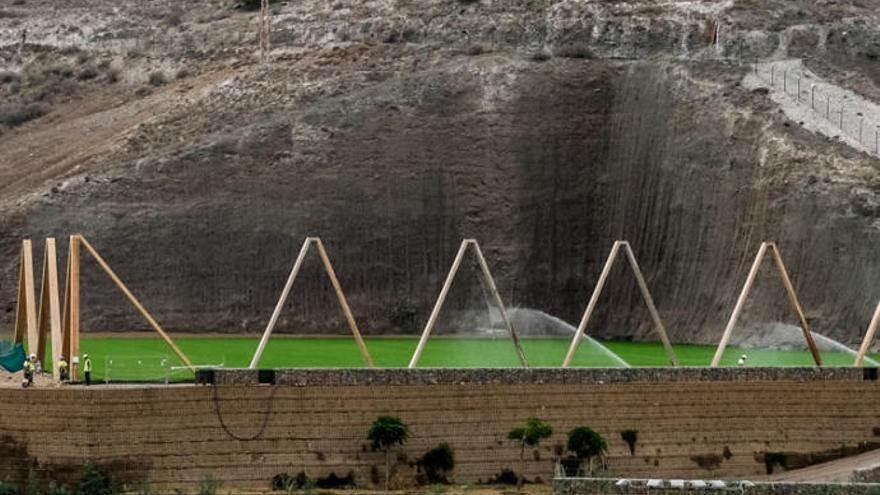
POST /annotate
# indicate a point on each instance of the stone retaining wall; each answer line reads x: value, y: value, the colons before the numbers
x: 691, y: 423
x: 585, y: 486
x: 489, y: 376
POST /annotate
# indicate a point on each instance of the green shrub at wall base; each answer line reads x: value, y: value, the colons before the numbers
x: 96, y: 482
x: 437, y: 463
x: 7, y: 488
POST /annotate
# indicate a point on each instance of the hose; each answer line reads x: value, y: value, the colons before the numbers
x: 262, y: 427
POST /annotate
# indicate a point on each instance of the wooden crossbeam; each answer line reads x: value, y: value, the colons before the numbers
x: 646, y: 296
x: 337, y: 288
x: 489, y: 280
x: 747, y: 287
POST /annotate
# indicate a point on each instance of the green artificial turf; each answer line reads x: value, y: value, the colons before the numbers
x: 150, y: 359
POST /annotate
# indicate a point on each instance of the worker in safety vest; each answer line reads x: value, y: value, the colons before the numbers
x: 28, y: 370
x: 63, y: 369
x: 87, y: 369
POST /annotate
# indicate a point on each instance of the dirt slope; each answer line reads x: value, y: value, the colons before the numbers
x: 393, y: 129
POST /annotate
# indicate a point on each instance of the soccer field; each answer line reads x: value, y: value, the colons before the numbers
x: 128, y: 358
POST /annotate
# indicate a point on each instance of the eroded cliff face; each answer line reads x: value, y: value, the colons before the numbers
x: 392, y: 130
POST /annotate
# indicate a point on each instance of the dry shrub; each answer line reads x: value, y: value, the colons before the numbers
x: 59, y: 69
x: 63, y: 89
x: 157, y: 78
x: 7, y: 77
x: 15, y: 115
x: 113, y: 75
x: 87, y: 74
x: 573, y: 50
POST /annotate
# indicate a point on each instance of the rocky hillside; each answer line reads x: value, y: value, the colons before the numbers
x: 393, y: 128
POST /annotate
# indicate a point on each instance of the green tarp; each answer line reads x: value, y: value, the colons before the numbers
x: 12, y: 356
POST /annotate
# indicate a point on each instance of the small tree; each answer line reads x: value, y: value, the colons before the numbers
x: 529, y: 435
x: 586, y: 444
x: 385, y: 433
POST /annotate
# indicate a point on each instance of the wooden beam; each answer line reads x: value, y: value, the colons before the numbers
x: 50, y: 314
x: 71, y: 318
x: 133, y: 300
x: 591, y: 306
x: 740, y: 303
x: 493, y: 290
x: 796, y: 304
x: 279, y: 306
x: 356, y: 333
x: 21, y: 303
x: 869, y: 337
x: 649, y: 301
x: 435, y: 313
x: 42, y: 315
x: 26, y: 315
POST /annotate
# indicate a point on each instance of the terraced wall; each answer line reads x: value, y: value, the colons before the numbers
x: 693, y: 423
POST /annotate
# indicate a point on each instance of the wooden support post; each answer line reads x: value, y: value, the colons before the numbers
x: 493, y: 290
x: 50, y: 312
x: 356, y: 333
x: 441, y: 299
x: 71, y: 307
x: 869, y: 337
x: 649, y: 302
x: 280, y: 305
x: 21, y: 306
x: 591, y: 306
x: 435, y: 313
x: 340, y: 295
x: 740, y: 303
x: 796, y: 304
x: 26, y: 315
x: 133, y: 300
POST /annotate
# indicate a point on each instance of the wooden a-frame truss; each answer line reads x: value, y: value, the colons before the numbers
x: 792, y: 297
x: 597, y: 291
x: 71, y: 318
x: 340, y: 295
x: 493, y: 292
x: 29, y: 322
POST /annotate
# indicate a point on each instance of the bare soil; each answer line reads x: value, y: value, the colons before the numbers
x: 393, y: 129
